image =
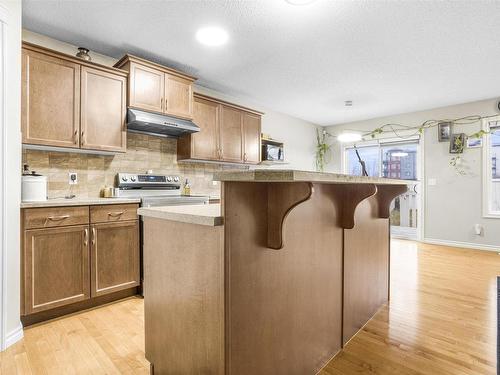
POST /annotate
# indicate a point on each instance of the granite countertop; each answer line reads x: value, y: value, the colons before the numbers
x: 202, y: 214
x: 289, y: 175
x: 78, y: 202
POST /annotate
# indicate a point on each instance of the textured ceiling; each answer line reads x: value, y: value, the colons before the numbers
x: 387, y: 56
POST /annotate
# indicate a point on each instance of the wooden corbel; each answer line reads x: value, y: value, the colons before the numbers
x: 346, y: 198
x: 282, y: 197
x: 385, y: 195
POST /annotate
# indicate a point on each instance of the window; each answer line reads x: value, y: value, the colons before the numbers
x: 369, y: 154
x: 391, y: 160
x: 491, y: 171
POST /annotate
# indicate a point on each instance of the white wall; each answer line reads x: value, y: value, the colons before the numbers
x: 454, y: 205
x: 12, y: 323
x: 298, y: 135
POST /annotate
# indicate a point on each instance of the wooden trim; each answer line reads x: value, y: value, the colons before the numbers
x: 77, y: 307
x: 131, y: 58
x: 74, y: 59
x: 282, y: 198
x: 385, y: 195
x: 347, y: 197
x: 220, y: 101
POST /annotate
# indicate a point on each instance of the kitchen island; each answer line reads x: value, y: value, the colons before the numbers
x: 274, y: 280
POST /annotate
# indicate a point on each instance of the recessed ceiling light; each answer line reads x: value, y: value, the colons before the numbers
x: 300, y: 2
x: 348, y: 103
x: 212, y: 36
x: 349, y: 137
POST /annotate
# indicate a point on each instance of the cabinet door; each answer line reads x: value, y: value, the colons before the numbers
x: 231, y: 137
x: 115, y: 257
x: 56, y: 267
x: 50, y: 104
x: 205, y: 143
x: 147, y: 87
x: 179, y: 96
x: 103, y: 110
x: 251, y: 135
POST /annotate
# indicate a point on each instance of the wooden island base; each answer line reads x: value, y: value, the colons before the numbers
x: 275, y: 283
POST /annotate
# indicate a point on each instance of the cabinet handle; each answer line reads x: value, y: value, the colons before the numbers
x: 85, y: 237
x: 161, y: 104
x: 245, y: 156
x: 221, y: 154
x: 115, y: 213
x: 93, y: 236
x: 57, y: 218
x: 83, y: 138
x: 75, y: 136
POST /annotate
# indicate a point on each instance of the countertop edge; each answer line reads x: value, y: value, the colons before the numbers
x: 212, y: 221
x: 82, y: 202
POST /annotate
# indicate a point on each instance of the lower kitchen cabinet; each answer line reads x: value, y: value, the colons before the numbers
x: 72, y: 256
x: 56, y: 267
x: 115, y: 257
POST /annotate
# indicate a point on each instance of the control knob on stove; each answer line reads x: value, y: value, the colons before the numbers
x: 132, y: 179
x: 124, y: 178
x: 176, y: 179
x: 169, y: 178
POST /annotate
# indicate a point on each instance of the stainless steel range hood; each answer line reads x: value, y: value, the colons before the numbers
x: 158, y: 125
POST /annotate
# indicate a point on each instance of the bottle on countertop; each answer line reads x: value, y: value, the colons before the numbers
x: 187, y: 188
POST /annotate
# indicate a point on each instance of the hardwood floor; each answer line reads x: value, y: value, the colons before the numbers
x: 441, y: 320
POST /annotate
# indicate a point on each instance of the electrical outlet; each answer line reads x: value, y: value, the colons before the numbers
x: 72, y: 178
x: 215, y: 183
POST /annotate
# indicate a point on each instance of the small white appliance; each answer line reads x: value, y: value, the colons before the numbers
x: 33, y: 187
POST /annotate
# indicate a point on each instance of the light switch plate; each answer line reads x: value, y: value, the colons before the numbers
x: 72, y: 178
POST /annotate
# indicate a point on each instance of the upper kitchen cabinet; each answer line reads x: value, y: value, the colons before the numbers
x: 68, y: 102
x: 156, y: 88
x: 50, y: 100
x: 231, y: 134
x: 146, y: 87
x: 228, y: 133
x: 203, y: 145
x: 251, y: 137
x: 103, y: 110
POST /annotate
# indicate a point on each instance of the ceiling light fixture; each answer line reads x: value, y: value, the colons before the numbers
x: 212, y: 36
x: 349, y: 137
x: 300, y: 2
x: 348, y: 103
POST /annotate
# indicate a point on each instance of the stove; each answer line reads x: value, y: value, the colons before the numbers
x: 155, y: 190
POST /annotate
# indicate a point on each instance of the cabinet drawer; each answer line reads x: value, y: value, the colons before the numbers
x: 48, y: 217
x: 113, y: 212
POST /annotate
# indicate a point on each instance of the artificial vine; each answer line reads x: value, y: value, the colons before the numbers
x: 322, y: 148
x: 405, y: 132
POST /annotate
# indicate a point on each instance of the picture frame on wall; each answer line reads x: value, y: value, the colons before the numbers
x: 474, y: 142
x: 445, y: 129
x: 457, y: 143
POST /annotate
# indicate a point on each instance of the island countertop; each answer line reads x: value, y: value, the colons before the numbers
x: 290, y: 175
x: 201, y: 214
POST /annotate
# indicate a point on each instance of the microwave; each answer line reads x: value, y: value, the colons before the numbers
x: 272, y: 152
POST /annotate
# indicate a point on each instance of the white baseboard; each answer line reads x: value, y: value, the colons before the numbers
x: 466, y: 245
x: 14, y: 336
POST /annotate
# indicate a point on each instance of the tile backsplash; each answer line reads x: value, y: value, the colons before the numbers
x: 97, y: 171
